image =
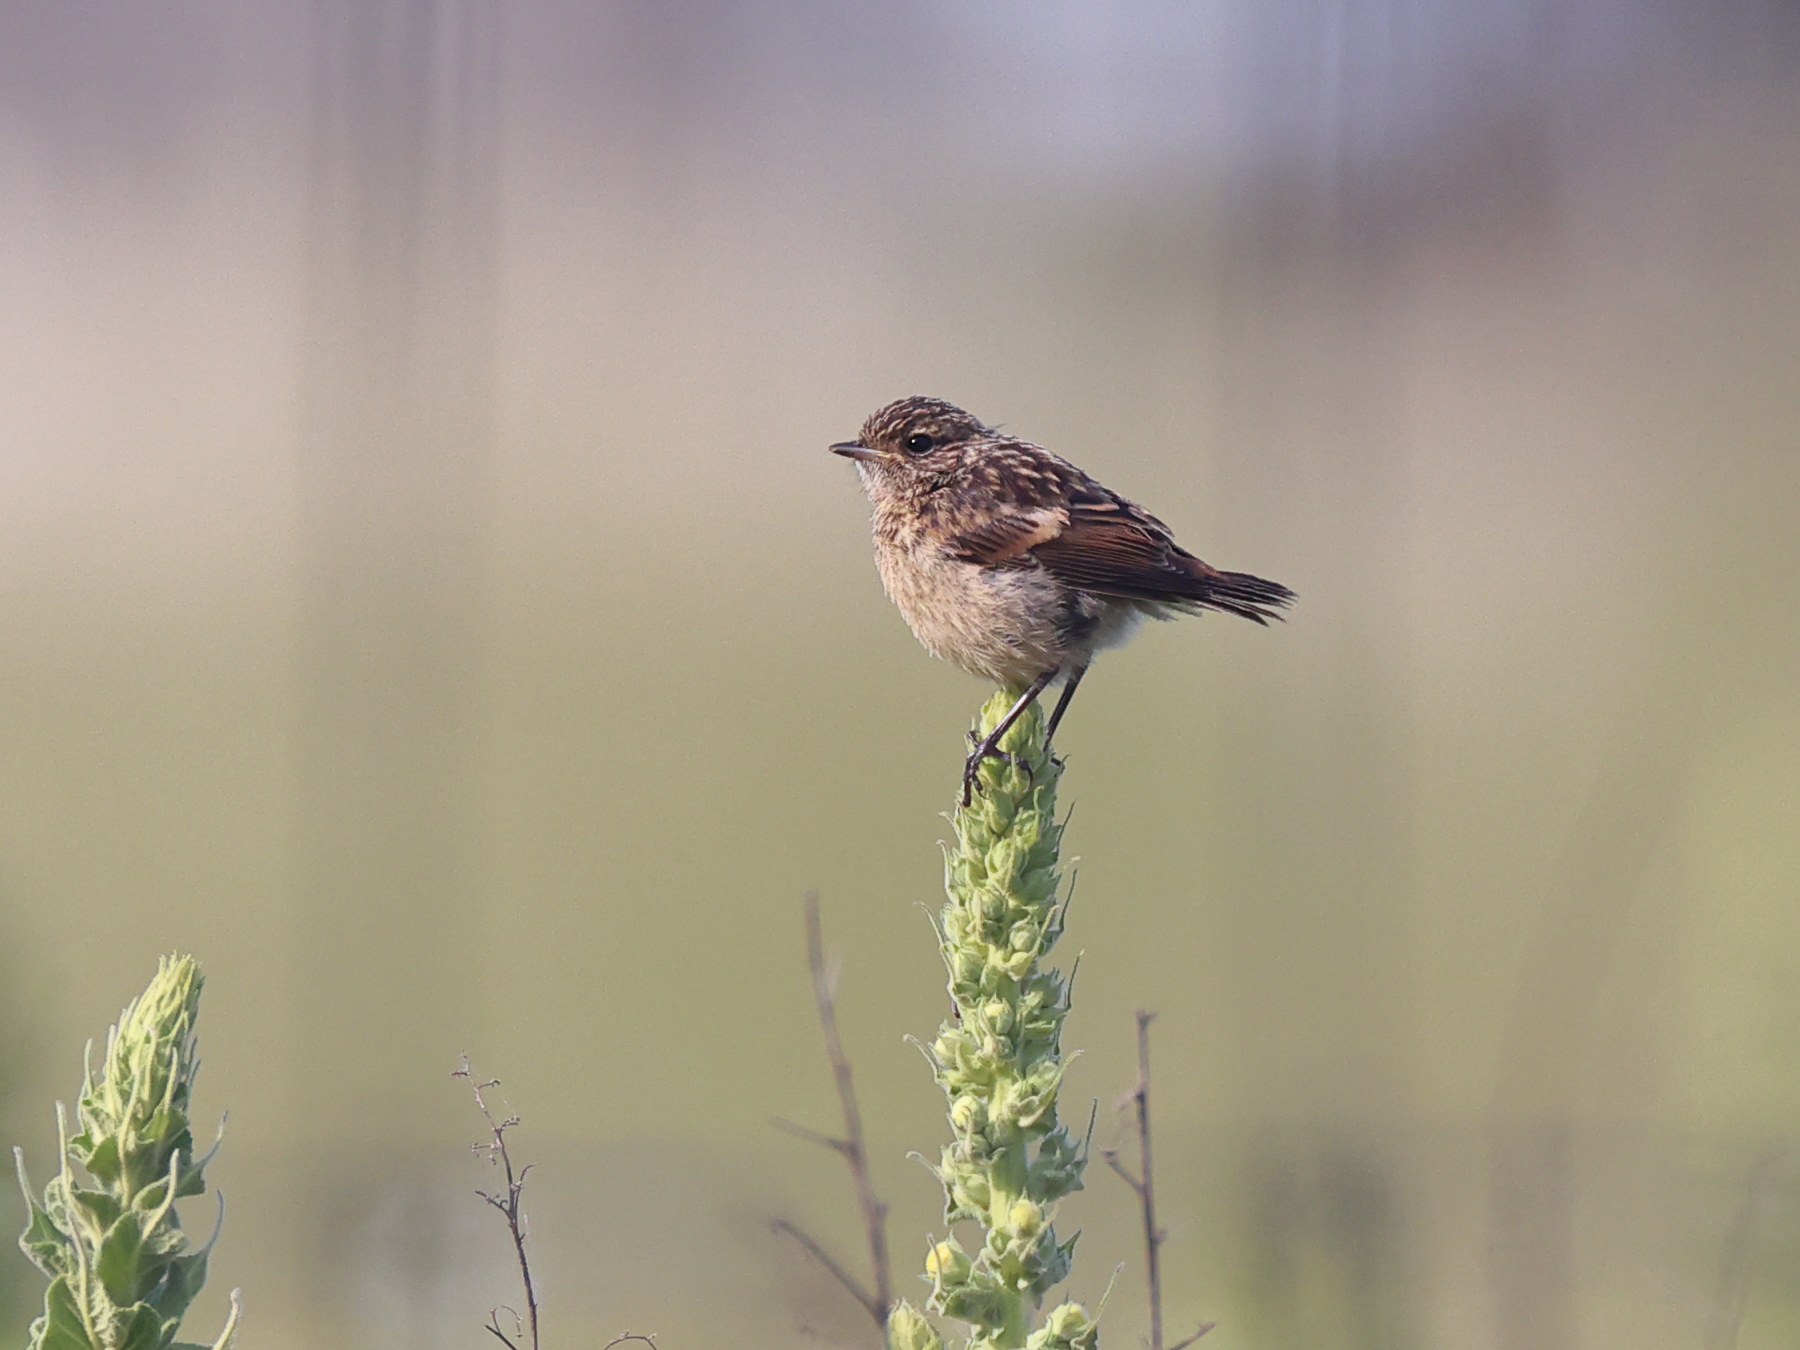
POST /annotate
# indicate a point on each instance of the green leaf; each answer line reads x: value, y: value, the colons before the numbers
x: 192, y: 1181
x: 151, y: 1197
x: 164, y: 1125
x: 42, y: 1241
x: 164, y: 1240
x: 142, y: 1329
x: 181, y: 1282
x: 61, y: 1326
x: 102, y: 1208
x: 120, y: 1263
x: 101, y: 1160
x: 46, y: 1248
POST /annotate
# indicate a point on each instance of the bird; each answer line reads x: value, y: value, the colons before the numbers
x: 1010, y: 562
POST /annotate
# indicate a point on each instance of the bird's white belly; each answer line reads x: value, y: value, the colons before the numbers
x: 995, y: 622
x: 1114, y: 623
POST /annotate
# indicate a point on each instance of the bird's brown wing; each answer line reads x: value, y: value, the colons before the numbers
x: 1111, y: 547
x: 1051, y: 515
x: 1003, y: 538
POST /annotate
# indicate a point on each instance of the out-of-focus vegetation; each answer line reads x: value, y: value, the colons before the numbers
x: 107, y: 1234
x: 424, y: 593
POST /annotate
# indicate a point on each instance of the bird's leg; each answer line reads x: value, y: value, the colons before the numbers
x: 1062, y: 704
x: 990, y: 744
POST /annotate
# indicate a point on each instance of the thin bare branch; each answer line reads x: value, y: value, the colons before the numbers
x: 855, y: 1153
x: 630, y: 1336
x: 811, y: 1136
x: 851, y: 1147
x: 508, y: 1205
x: 1183, y: 1344
x: 872, y: 1305
x: 1144, y: 1184
x: 1111, y: 1157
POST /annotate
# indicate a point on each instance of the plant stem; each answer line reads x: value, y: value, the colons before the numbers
x: 999, y: 1058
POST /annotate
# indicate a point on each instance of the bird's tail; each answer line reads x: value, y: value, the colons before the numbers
x: 1244, y: 595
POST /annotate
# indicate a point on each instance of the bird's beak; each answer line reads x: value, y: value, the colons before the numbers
x: 855, y: 450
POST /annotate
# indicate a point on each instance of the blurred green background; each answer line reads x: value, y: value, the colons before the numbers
x: 426, y: 597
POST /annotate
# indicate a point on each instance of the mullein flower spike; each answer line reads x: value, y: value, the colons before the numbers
x: 999, y: 1061
x: 121, y: 1274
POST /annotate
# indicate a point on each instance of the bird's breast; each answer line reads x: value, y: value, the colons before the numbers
x: 997, y: 622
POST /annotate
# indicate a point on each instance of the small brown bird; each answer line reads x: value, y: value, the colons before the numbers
x: 1013, y: 563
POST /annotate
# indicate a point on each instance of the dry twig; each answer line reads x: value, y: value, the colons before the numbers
x: 850, y: 1147
x: 1145, y: 1187
x: 508, y: 1205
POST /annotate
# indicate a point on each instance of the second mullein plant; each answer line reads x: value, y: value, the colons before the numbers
x: 106, y: 1234
x: 998, y: 1058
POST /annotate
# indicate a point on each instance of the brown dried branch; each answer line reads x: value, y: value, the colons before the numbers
x: 1144, y: 1186
x: 870, y: 1303
x: 508, y: 1205
x: 850, y: 1147
x: 811, y: 1136
x: 1112, y: 1160
x: 492, y: 1325
x: 1186, y: 1341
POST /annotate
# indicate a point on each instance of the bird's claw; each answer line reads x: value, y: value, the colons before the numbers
x: 972, y: 768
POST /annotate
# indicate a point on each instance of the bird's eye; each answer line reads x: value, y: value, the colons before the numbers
x: 918, y: 443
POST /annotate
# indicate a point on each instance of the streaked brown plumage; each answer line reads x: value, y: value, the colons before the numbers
x: 1015, y: 565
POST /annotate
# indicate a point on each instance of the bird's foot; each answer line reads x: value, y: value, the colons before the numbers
x: 986, y: 750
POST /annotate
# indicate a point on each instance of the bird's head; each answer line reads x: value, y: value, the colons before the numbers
x: 910, y: 442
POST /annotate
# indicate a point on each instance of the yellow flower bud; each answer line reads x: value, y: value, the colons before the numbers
x: 1025, y: 1217
x: 947, y: 1263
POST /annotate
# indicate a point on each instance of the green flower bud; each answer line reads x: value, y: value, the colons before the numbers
x: 983, y: 1304
x: 969, y: 1114
x: 907, y: 1329
x: 975, y: 1187
x: 1067, y: 1327
x: 948, y: 1264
